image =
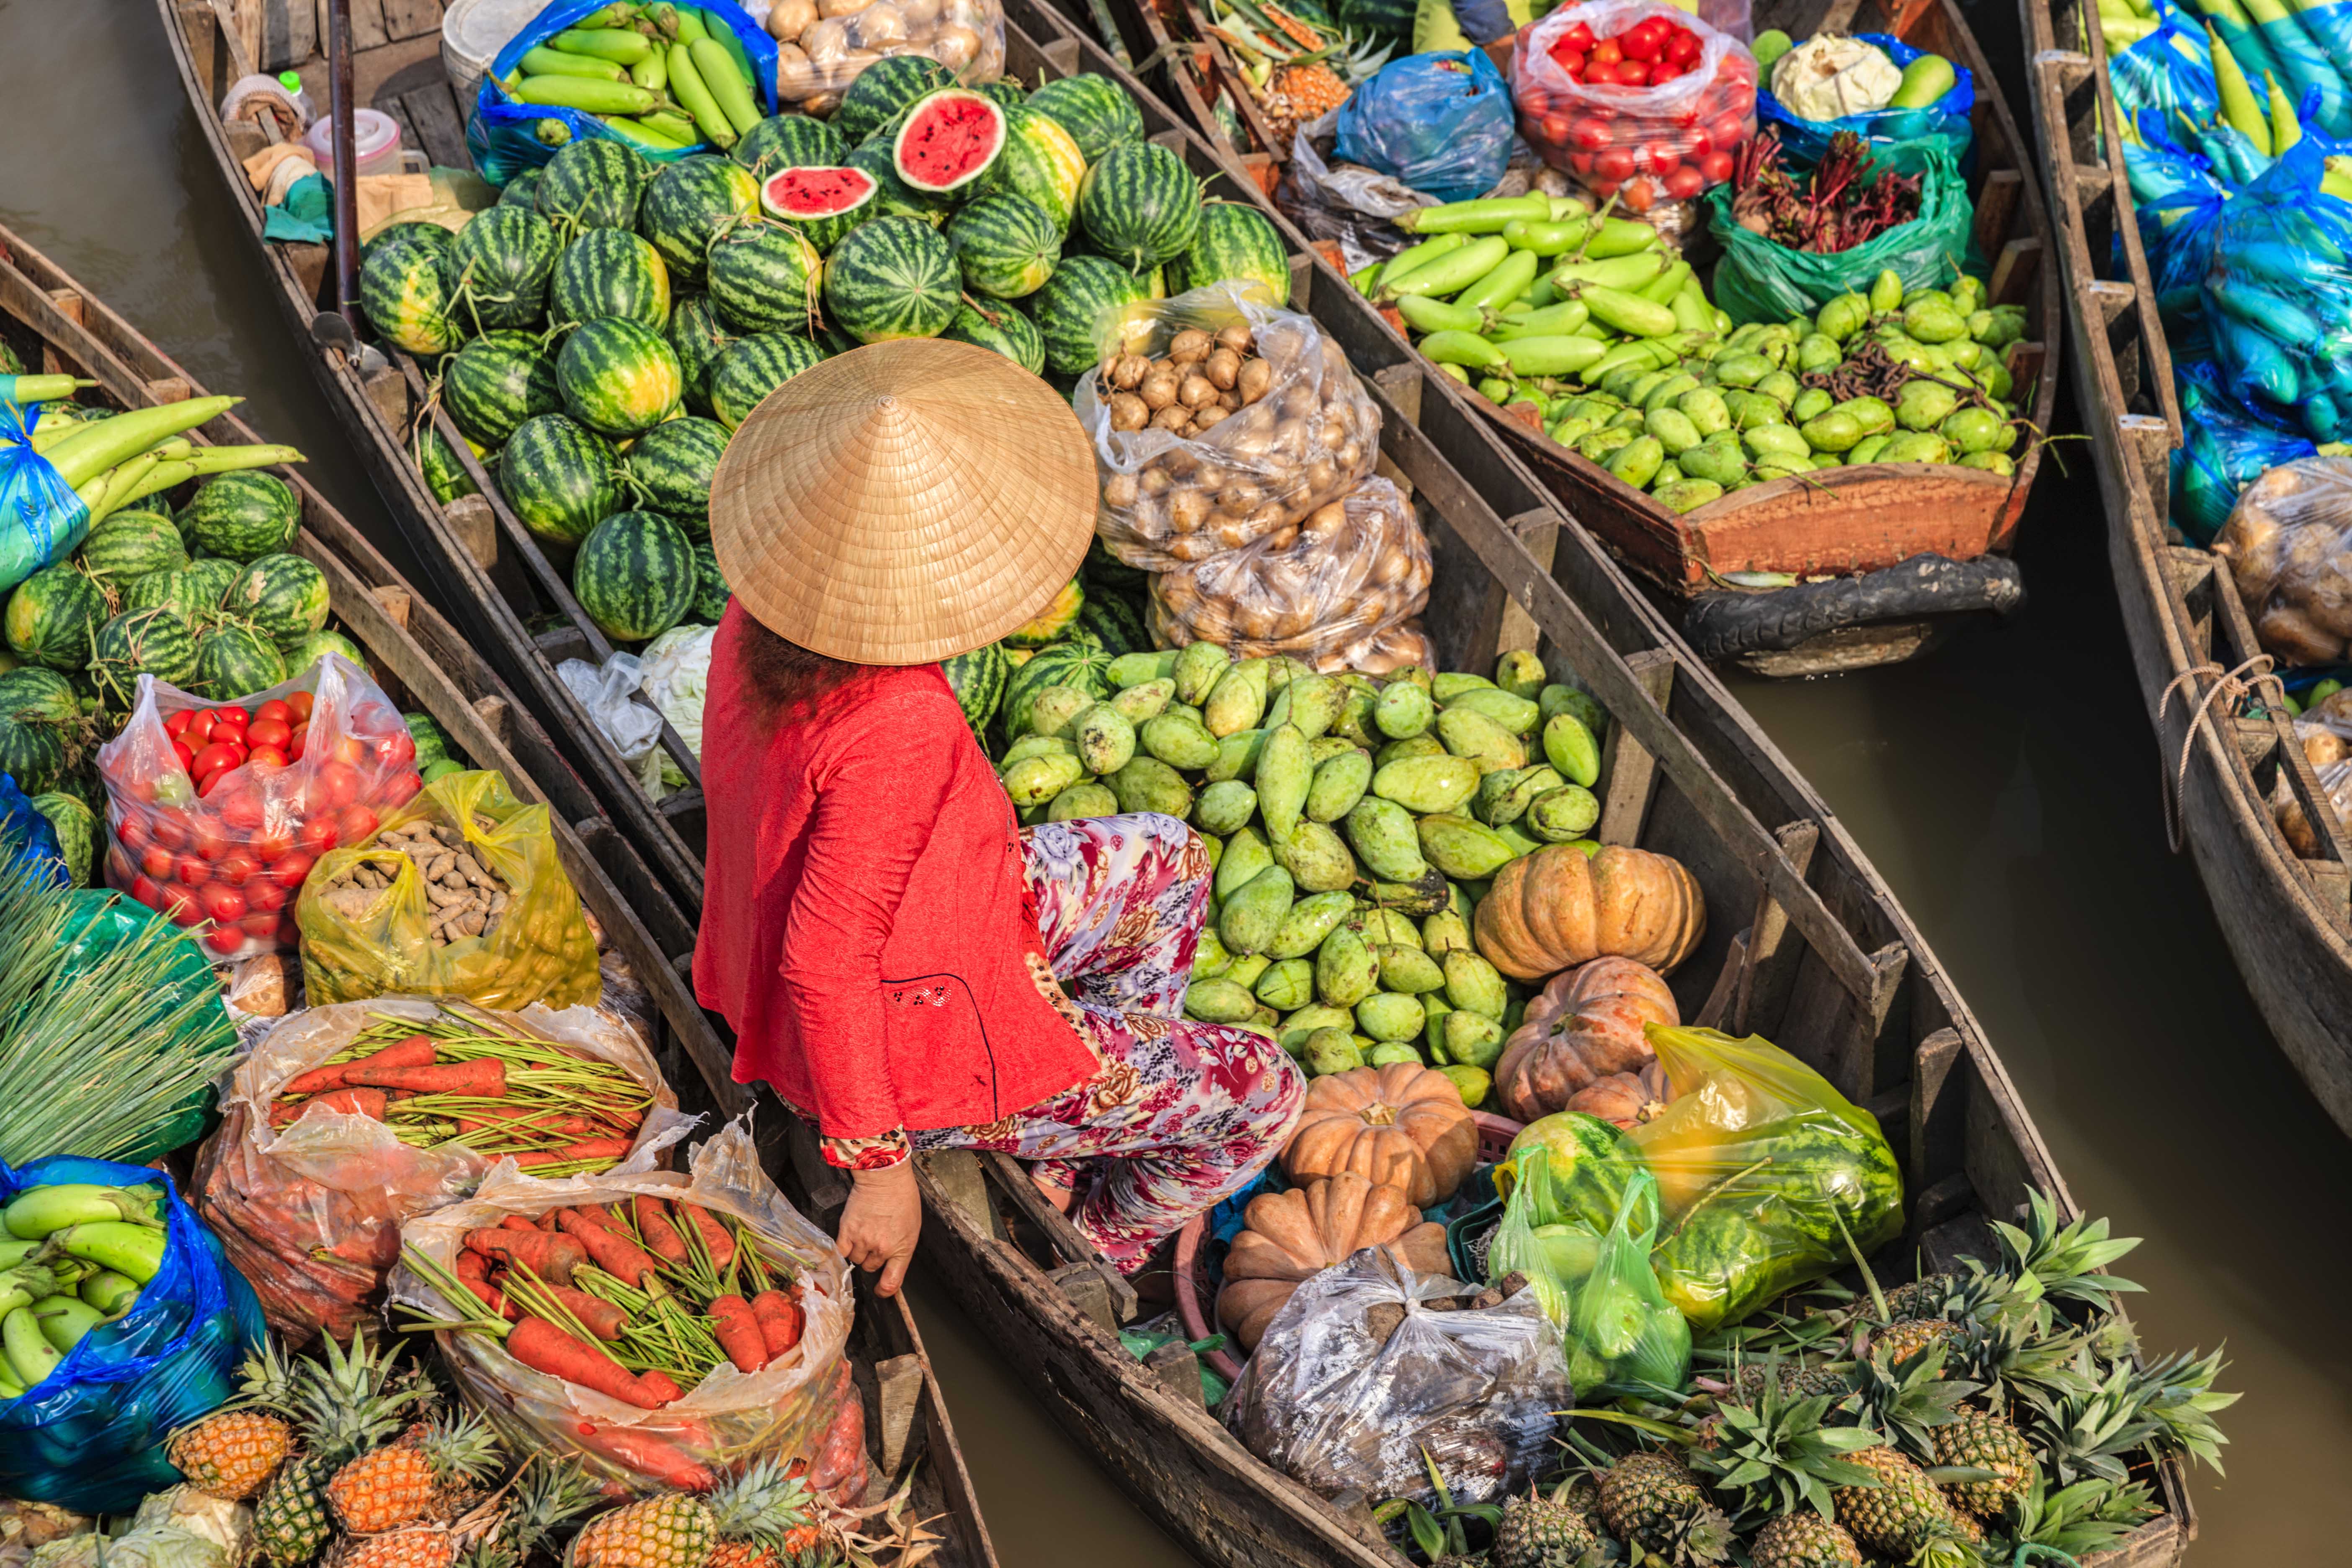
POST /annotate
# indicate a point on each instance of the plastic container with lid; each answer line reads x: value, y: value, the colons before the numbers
x: 376, y: 142
x: 472, y: 34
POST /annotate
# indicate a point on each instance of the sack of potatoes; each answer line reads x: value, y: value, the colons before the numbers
x: 822, y: 45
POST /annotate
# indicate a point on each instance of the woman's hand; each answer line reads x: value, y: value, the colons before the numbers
x: 881, y: 1221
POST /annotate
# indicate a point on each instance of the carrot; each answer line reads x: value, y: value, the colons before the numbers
x: 737, y: 1332
x: 542, y: 1347
x: 615, y: 1254
x: 516, y: 1222
x: 781, y: 1319
x: 416, y: 1051
x: 367, y: 1102
x: 717, y: 1237
x: 659, y: 1383
x: 661, y: 1236
x: 483, y: 1079
x: 602, y: 1319
x: 586, y: 1148
x: 494, y: 1119
x: 549, y: 1256
x: 661, y: 1461
x: 474, y: 1271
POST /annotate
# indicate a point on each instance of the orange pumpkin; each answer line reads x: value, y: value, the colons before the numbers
x: 1291, y: 1236
x: 1581, y: 1047
x: 1554, y: 909
x: 1401, y: 1124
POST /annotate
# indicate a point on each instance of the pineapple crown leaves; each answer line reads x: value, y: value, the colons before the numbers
x: 460, y: 1446
x: 2178, y: 1395
x: 762, y: 1505
x: 2048, y: 1260
x: 344, y: 1405
x: 2085, y: 1430
x: 1908, y: 1400
x: 2087, y: 1516
x: 1781, y: 1453
x: 548, y: 1494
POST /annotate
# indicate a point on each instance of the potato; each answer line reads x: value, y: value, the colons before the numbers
x: 1153, y: 481
x: 1236, y: 337
x: 1122, y: 491
x: 1128, y: 412
x: 1223, y: 367
x: 787, y: 19
x: 1187, y: 511
x: 1196, y: 392
x: 1157, y: 389
x: 1253, y: 380
x: 1189, y: 346
x: 955, y: 47
x: 1173, y: 416
x: 829, y: 9
x: 1128, y: 371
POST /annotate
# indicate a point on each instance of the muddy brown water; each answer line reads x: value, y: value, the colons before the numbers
x: 2006, y: 788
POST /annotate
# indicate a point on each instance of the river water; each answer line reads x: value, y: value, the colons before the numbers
x: 2006, y: 789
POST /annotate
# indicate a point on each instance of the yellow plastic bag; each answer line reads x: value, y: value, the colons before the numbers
x: 360, y: 943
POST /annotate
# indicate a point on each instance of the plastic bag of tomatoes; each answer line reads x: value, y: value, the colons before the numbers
x: 1637, y: 99
x: 217, y: 811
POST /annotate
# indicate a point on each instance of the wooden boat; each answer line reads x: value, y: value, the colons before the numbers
x: 2288, y: 920
x: 1831, y: 529
x: 422, y: 662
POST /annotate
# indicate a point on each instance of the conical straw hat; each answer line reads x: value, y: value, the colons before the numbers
x: 903, y: 503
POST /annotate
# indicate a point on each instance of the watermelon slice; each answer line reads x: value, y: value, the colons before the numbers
x: 824, y: 203
x: 950, y: 139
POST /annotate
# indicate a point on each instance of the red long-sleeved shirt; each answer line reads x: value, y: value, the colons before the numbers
x: 866, y: 927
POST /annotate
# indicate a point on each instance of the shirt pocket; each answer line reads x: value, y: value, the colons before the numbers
x: 939, y: 1048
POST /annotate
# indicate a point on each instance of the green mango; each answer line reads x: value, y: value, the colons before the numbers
x: 1330, y: 1051
x: 1420, y: 897
x: 1247, y: 969
x: 1055, y: 710
x: 1865, y: 450
x: 1177, y: 741
x: 1886, y: 292
x: 1355, y: 724
x: 1324, y: 748
x: 1209, y: 958
x: 1916, y: 447
x: 1086, y: 799
x: 1224, y: 808
x: 1389, y: 1016
x: 1433, y: 1007
x: 1430, y: 783
x: 1310, y: 919
x: 1197, y: 671
x: 1473, y: 984
x: 1382, y: 832
x: 1033, y: 781
x: 1769, y: 443
x: 1561, y: 815
x: 1345, y: 973
x: 1403, y: 711
x: 1706, y: 409
x: 1686, y: 495
x: 1446, y: 931
x: 1471, y: 736
x: 1570, y: 747
x: 1460, y: 847
x: 1105, y: 740
x: 1515, y: 833
x: 1029, y: 746
x: 1516, y: 715
x: 1447, y: 685
x: 1512, y: 803
x: 1471, y: 1038
x: 1408, y: 969
x: 1423, y: 745
x: 1285, y: 775
x: 1843, y: 317
x: 1255, y: 912
x: 1810, y: 403
x: 1393, y: 1053
x: 1315, y: 703
x: 1218, y: 1001
x: 1339, y: 782
x: 1238, y: 700
x: 1974, y: 431
x: 1520, y: 673
x: 1287, y: 985
x: 1934, y: 320
x: 1237, y: 756
x: 1317, y: 857
x: 2000, y: 463
x: 1386, y: 927
x: 1133, y: 669
x: 1146, y: 701
x: 1246, y: 856
x: 1474, y: 1083
x: 1295, y: 1027
x: 1780, y: 387
x: 1147, y: 784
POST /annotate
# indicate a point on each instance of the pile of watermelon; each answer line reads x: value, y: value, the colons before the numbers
x: 602, y: 330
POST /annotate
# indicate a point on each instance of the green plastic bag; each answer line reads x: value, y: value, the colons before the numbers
x: 1623, y: 1337
x: 1759, y: 280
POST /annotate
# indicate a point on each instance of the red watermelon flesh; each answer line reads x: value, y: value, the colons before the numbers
x: 808, y: 193
x: 950, y: 139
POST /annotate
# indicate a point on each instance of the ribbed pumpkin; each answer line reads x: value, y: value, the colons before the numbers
x: 1581, y: 1047
x: 1289, y: 1236
x: 1554, y: 909
x: 1401, y: 1124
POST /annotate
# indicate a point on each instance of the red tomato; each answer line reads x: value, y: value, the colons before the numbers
x: 205, y: 838
x: 242, y: 812
x: 1727, y: 132
x: 1570, y: 61
x: 1616, y: 165
x: 350, y: 751
x: 1665, y: 71
x: 225, y: 938
x: 199, y: 727
x: 263, y: 893
x: 145, y: 890
x: 1640, y: 194
x: 289, y: 871
x: 216, y: 755
x: 294, y: 747
x: 135, y: 833
x: 273, y: 709
x: 298, y: 703
x: 1741, y: 101
x: 396, y: 751
x: 267, y: 758
x: 155, y: 860
x: 231, y: 714
x: 1660, y: 157
x: 271, y: 846
x: 332, y: 788
x: 192, y: 869
x: 289, y: 934
x: 316, y: 837
x: 187, y: 758
x: 179, y: 721
x: 235, y: 869
x: 1682, y: 46
x: 1604, y: 189
x: 401, y: 789
x: 204, y: 786
x: 1642, y: 40
x: 1607, y: 52
x: 262, y: 926
x: 1579, y: 163
x: 222, y: 904
x: 1577, y: 37
x: 1633, y: 73
x: 171, y: 829
x: 1695, y: 143
x: 1716, y: 167
x: 180, y: 905
x: 1591, y: 134
x: 268, y: 732
x: 354, y: 824
x: 1685, y: 183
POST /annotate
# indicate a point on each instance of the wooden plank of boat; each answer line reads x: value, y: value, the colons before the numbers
x: 423, y: 663
x: 2288, y: 920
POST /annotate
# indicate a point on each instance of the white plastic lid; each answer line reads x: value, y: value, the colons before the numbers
x: 371, y: 132
x: 475, y: 30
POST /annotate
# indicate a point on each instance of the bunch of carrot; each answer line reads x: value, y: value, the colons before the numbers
x: 640, y: 1300
x: 466, y: 1077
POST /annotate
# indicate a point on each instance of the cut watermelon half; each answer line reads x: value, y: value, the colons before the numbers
x: 950, y: 139
x: 823, y: 203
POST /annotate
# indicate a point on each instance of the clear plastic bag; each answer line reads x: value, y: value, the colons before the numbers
x: 2278, y: 294
x: 803, y: 1407
x: 965, y: 36
x: 1760, y: 280
x: 310, y: 1212
x: 1349, y: 205
x: 2288, y: 544
x: 42, y: 520
x: 1646, y: 143
x: 633, y: 727
x: 1358, y: 1377
x: 1346, y: 572
x: 1312, y: 437
x: 2225, y: 447
x: 359, y: 942
x: 1441, y: 123
x: 1946, y: 119
x: 237, y: 857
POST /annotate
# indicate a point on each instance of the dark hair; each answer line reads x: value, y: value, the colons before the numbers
x: 783, y: 677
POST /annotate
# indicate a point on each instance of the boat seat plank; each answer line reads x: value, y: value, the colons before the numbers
x: 1996, y: 208
x: 412, y: 19
x: 1932, y: 1149
x: 440, y: 129
x: 391, y: 104
x: 1629, y: 774
x: 366, y: 20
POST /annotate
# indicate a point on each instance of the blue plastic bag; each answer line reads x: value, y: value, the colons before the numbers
x: 1441, y: 123
x: 2225, y: 446
x: 89, y: 1436
x: 504, y: 136
x: 2177, y: 199
x: 42, y: 521
x: 2170, y: 73
x: 28, y: 838
x: 1945, y: 121
x: 2278, y: 294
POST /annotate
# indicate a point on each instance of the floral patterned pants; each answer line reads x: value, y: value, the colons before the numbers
x: 1181, y: 1113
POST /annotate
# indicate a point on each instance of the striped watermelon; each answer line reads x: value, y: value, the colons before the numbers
x: 318, y: 646
x: 1081, y: 311
x: 77, y: 829
x: 284, y: 596
x: 893, y: 197
x: 883, y: 90
x: 822, y: 201
x: 1115, y: 623
x: 977, y: 679
x: 763, y: 276
x: 437, y: 462
x: 242, y: 516
x: 594, y: 184
x: 1040, y: 162
x: 32, y: 754
x: 522, y: 191
x: 634, y: 575
x: 407, y: 288
x: 558, y: 478
x: 689, y: 203
x: 1003, y: 90
x: 500, y: 263
x: 618, y: 377
x: 1000, y: 326
x: 213, y: 575
x: 235, y: 660
x: 671, y: 468
x: 1094, y: 111
x: 183, y: 593
x: 1140, y: 205
x: 1006, y: 244
x: 753, y: 368
x: 893, y: 277
x: 1054, y: 622
x: 498, y: 381
x: 131, y: 544
x: 607, y: 273
x: 1236, y: 244
x: 698, y: 336
x: 1080, y: 662
x: 143, y: 642
x: 38, y: 696
x: 52, y: 617
x: 710, y: 591
x: 949, y: 140
x: 789, y: 141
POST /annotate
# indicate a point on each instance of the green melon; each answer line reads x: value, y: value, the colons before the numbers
x: 689, y: 203
x: 32, y: 695
x: 999, y: 325
x: 618, y: 377
x: 594, y: 184
x: 242, y: 516
x: 233, y: 661
x: 1140, y: 205
x: 789, y: 141
x: 710, y: 591
x: 1236, y: 244
x: 180, y: 592
x: 822, y: 201
x: 522, y: 191
x: 131, y: 544
x: 437, y: 460
x: 35, y: 755
x: 408, y: 290
x: 52, y: 617
x: 893, y: 197
x: 143, y: 642
x: 1080, y: 662
x: 754, y: 367
x: 606, y: 273
x: 1115, y: 623
x: 893, y: 277
x: 977, y: 679
x: 1006, y: 245
x: 498, y: 381
x: 698, y: 336
x: 949, y: 140
x: 1081, y: 311
x: 500, y: 263
x: 1097, y: 112
x: 763, y: 276
x: 634, y: 575
x: 77, y: 832
x: 558, y: 478
x: 1054, y: 622
x: 318, y: 646
x: 671, y: 468
x: 884, y: 90
x: 1040, y: 162
x: 284, y: 596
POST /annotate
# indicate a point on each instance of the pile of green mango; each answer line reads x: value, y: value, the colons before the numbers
x: 1354, y: 824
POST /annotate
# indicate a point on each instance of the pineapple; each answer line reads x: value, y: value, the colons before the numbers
x: 1983, y: 1441
x: 1792, y: 1377
x: 341, y: 1407
x: 1906, y: 1516
x: 1651, y: 1499
x: 1909, y: 1401
x: 425, y: 1475
x: 1782, y: 1455
x: 678, y: 1530
x: 422, y: 1546
x: 232, y: 1453
x: 1899, y: 1341
x: 1803, y: 1540
x: 1538, y: 1532
x: 1920, y: 1298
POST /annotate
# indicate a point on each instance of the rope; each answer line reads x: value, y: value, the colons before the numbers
x: 2236, y: 684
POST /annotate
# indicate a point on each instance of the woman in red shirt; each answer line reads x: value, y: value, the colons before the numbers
x: 902, y: 963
